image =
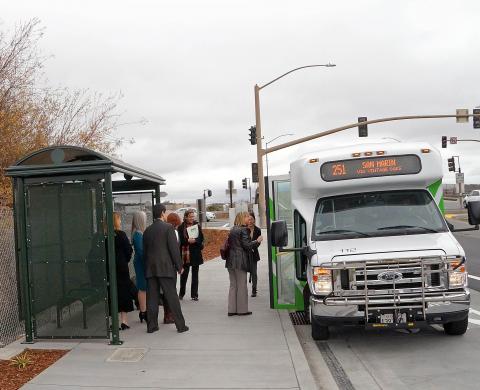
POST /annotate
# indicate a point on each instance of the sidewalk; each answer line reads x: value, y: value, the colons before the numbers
x: 219, y: 352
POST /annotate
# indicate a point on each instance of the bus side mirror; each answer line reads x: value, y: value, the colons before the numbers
x: 279, y: 234
x: 473, y: 213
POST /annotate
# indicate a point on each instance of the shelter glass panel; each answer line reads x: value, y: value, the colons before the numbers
x: 127, y: 205
x: 67, y: 259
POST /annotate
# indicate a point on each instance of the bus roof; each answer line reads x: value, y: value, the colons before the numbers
x: 366, y: 167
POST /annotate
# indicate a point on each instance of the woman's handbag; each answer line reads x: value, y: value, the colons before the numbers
x: 225, y: 249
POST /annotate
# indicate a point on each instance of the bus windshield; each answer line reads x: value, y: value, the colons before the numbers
x: 374, y: 214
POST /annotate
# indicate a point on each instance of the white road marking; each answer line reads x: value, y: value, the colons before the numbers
x: 472, y: 321
x: 475, y: 311
x: 474, y: 277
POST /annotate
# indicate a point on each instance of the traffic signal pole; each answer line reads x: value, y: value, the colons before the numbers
x: 356, y: 124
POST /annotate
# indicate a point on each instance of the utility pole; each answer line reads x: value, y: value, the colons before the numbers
x: 261, y: 180
x: 250, y: 189
x: 260, y: 151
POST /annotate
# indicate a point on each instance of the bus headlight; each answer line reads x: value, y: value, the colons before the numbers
x: 457, y: 274
x: 322, y: 280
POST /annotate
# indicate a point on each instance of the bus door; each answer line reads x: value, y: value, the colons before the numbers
x: 286, y: 291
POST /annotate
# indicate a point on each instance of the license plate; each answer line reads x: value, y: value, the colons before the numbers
x: 386, y: 318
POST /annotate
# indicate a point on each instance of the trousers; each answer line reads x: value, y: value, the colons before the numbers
x: 170, y: 295
x: 253, y: 275
x: 238, y: 293
x: 184, y: 278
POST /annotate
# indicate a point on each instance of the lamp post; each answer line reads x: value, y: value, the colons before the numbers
x: 269, y: 142
x: 260, y: 151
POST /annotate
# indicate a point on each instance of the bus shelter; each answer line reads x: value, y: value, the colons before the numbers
x: 64, y: 234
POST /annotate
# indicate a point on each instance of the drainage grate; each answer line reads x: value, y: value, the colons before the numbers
x: 336, y: 369
x: 127, y: 355
x: 299, y: 318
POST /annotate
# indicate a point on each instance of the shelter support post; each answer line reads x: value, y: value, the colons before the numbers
x: 157, y: 194
x: 20, y: 221
x: 115, y: 335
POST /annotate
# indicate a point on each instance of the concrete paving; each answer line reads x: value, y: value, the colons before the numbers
x: 260, y: 351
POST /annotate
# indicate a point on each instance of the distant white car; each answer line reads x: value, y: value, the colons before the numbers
x: 210, y: 216
x: 473, y: 196
x: 181, y: 211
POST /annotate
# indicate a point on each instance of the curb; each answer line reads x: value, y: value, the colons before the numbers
x: 302, y: 369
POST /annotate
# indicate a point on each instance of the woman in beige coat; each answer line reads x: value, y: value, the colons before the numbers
x: 238, y: 264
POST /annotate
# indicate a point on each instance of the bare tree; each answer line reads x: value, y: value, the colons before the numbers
x: 33, y: 116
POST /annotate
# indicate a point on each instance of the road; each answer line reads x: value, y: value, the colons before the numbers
x: 218, y: 223
x: 355, y: 358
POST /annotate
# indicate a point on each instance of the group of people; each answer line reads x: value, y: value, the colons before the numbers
x: 170, y: 247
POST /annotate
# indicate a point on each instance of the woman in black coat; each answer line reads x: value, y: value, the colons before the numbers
x: 238, y: 264
x: 123, y: 253
x: 191, y: 249
x: 255, y: 232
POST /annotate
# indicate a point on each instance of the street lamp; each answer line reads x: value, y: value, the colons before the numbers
x: 269, y: 142
x: 260, y: 151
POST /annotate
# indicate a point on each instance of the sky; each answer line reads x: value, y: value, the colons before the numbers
x: 189, y: 68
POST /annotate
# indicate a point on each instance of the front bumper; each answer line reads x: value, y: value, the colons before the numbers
x: 440, y: 308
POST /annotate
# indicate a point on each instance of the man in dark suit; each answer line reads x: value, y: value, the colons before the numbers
x: 163, y: 261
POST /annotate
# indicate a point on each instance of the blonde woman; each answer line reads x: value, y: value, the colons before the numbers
x: 238, y: 264
x: 139, y: 223
x: 123, y: 253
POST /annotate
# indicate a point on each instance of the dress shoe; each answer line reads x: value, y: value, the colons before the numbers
x: 184, y: 329
x: 194, y: 298
x: 142, y: 315
x: 244, y: 314
x: 254, y: 294
x: 152, y: 330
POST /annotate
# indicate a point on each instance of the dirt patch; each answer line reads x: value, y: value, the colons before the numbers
x: 214, y: 239
x: 12, y: 378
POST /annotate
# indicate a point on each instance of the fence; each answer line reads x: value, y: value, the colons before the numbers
x: 11, y: 328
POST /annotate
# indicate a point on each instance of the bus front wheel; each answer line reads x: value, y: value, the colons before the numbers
x: 456, y: 328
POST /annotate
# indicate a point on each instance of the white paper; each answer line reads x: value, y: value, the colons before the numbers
x: 192, y: 231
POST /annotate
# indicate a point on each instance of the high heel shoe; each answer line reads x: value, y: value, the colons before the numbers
x: 142, y: 315
x: 124, y: 326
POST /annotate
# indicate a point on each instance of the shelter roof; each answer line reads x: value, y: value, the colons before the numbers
x: 71, y: 160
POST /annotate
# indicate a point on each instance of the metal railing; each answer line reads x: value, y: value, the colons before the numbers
x: 11, y: 328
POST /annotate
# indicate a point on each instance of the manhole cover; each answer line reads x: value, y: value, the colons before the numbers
x: 127, y: 355
x: 299, y: 318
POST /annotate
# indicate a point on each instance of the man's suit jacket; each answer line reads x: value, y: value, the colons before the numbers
x: 161, y: 250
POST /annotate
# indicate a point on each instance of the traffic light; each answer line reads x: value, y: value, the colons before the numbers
x: 444, y: 141
x: 209, y: 193
x: 476, y: 118
x: 362, y: 129
x: 253, y: 135
x: 451, y: 164
x: 244, y: 183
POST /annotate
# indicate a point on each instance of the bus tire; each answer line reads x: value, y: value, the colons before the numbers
x: 456, y: 328
x: 319, y: 332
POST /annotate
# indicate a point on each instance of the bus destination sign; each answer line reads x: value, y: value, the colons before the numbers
x: 371, y: 167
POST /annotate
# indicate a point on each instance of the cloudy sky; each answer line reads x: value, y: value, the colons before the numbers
x: 189, y: 68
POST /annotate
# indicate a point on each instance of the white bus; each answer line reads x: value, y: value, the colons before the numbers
x: 371, y: 240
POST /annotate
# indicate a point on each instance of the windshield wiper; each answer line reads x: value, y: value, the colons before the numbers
x: 408, y: 227
x: 342, y: 231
